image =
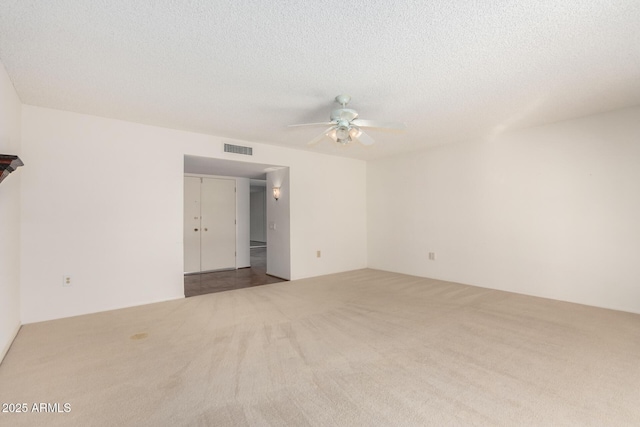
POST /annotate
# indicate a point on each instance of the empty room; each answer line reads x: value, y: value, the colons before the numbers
x: 328, y: 213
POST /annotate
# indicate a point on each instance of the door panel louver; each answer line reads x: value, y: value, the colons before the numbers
x: 238, y: 149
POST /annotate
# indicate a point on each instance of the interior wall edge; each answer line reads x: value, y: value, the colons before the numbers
x: 12, y: 338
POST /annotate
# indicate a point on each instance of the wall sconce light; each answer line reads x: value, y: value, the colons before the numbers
x: 276, y: 193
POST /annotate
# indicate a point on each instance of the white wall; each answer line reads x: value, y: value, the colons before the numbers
x: 102, y: 201
x: 10, y: 110
x: 259, y: 215
x: 326, y: 194
x: 551, y: 211
x: 278, y: 225
x: 243, y: 227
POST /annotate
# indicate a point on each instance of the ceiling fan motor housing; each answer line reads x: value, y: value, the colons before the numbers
x: 344, y: 114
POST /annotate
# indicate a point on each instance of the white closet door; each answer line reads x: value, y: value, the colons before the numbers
x: 191, y: 231
x: 218, y: 212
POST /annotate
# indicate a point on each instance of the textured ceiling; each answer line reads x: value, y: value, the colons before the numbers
x: 245, y: 69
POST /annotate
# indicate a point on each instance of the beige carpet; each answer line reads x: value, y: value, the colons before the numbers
x: 362, y: 348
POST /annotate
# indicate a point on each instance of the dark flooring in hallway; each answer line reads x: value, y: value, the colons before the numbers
x: 256, y: 275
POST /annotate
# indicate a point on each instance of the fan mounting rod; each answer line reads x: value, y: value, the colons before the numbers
x: 343, y: 100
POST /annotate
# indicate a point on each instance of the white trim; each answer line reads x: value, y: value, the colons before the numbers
x: 235, y: 182
x: 108, y: 309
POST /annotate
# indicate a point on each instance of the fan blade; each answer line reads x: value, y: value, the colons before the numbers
x: 312, y: 124
x: 388, y: 126
x: 319, y: 137
x: 364, y: 139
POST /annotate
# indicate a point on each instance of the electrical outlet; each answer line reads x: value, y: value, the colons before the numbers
x: 432, y: 256
x: 318, y: 254
x: 66, y: 280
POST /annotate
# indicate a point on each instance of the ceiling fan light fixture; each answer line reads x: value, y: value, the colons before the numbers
x: 345, y: 125
x: 342, y: 132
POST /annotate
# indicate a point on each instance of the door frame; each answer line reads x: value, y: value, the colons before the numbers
x: 230, y: 178
x: 280, y: 262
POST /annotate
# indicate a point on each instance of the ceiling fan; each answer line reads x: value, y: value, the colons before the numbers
x: 345, y: 126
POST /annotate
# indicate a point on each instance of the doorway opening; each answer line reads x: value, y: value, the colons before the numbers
x: 260, y: 251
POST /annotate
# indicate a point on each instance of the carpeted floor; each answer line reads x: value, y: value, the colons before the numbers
x: 361, y: 348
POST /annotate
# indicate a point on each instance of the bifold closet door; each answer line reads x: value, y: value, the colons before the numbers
x: 218, y: 222
x: 191, y: 224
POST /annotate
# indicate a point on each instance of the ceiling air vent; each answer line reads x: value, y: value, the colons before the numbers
x: 238, y: 149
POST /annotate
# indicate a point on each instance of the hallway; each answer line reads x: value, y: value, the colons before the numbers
x: 219, y: 281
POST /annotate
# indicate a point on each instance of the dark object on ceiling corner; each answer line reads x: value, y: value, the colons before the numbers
x: 8, y: 164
